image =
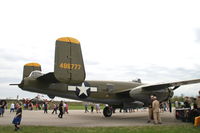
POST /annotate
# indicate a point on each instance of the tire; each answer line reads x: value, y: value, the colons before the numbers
x: 107, y: 112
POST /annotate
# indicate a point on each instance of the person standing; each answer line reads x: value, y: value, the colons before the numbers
x: 64, y: 107
x: 176, y: 104
x: 55, y: 108
x: 45, y: 107
x: 198, y: 103
x: 98, y: 108
x: 36, y: 106
x: 61, y: 109
x: 156, y: 113
x: 2, y: 107
x: 12, y: 107
x: 150, y: 110
x: 92, y: 108
x: 187, y: 103
x: 86, y: 108
x: 1, y: 110
x: 67, y: 108
x: 31, y: 106
x: 18, y: 117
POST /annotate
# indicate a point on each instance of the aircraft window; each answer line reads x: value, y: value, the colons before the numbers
x: 36, y: 74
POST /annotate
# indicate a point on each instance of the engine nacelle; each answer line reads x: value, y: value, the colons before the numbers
x: 140, y: 94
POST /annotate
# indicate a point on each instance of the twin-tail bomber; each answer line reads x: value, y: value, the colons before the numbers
x: 68, y: 81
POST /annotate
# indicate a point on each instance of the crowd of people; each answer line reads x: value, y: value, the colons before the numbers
x: 92, y: 107
x: 154, y: 108
x: 189, y: 109
x: 28, y: 105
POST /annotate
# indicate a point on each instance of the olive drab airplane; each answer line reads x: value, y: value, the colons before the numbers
x: 68, y: 81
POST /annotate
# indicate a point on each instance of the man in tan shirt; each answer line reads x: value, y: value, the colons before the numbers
x: 156, y: 113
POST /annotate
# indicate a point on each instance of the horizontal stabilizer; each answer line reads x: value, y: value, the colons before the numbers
x: 13, y: 84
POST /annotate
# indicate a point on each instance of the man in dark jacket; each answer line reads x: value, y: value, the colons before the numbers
x: 2, y: 107
x: 61, y: 109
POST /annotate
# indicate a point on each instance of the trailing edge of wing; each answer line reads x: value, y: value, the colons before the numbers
x: 121, y: 91
x: 169, y: 84
x: 48, y: 78
x: 161, y: 85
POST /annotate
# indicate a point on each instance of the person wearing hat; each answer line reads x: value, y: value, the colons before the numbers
x: 150, y: 110
x: 156, y: 113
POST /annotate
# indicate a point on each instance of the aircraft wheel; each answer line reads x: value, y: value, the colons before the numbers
x: 107, y: 112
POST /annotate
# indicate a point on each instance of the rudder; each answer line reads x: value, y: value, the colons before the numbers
x: 69, y: 65
x: 29, y: 67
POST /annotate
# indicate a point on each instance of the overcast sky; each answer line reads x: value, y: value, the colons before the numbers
x: 155, y: 40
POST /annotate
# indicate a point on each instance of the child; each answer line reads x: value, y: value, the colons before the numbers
x: 18, y: 116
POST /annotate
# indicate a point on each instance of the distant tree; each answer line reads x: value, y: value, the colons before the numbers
x: 178, y: 98
x: 182, y: 95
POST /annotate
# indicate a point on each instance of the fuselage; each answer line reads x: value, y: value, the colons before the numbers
x: 107, y: 91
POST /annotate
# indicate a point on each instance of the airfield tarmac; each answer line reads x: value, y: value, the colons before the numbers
x: 77, y: 118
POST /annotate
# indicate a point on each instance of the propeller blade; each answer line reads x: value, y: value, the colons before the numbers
x: 170, y: 106
x: 176, y: 87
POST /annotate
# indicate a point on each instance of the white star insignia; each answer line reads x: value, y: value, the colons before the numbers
x: 83, y: 89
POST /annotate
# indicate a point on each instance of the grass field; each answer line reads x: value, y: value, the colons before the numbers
x: 72, y: 105
x: 141, y: 129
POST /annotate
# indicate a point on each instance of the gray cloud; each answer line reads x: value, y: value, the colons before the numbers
x: 11, y: 55
x: 15, y: 58
x: 158, y: 72
x: 197, y: 32
x: 90, y: 62
x: 9, y: 80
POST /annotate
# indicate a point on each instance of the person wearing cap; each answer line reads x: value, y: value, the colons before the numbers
x: 156, y: 113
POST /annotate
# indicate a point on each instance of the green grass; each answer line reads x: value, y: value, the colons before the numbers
x: 72, y: 105
x: 136, y: 129
x: 81, y: 107
x: 76, y: 107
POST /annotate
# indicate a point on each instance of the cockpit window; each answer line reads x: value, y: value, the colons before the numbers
x: 35, y: 74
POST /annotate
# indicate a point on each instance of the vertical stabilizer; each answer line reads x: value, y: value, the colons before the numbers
x: 69, y: 65
x: 29, y: 67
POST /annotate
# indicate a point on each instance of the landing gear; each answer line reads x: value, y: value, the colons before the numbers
x: 107, y: 112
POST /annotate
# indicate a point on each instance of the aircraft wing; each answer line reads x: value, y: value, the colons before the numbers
x: 48, y: 78
x: 170, y: 84
x: 158, y: 86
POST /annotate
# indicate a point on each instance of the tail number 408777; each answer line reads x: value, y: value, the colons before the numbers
x: 70, y: 66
